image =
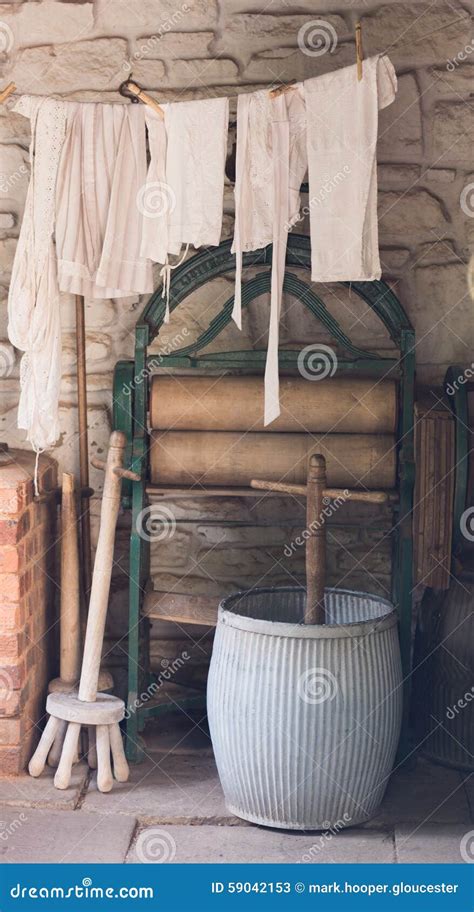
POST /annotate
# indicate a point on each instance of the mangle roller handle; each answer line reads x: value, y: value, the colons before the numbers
x: 374, y: 497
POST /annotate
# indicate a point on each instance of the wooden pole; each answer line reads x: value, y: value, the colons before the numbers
x: 83, y: 447
x: 316, y: 541
x: 70, y: 633
x: 102, y: 570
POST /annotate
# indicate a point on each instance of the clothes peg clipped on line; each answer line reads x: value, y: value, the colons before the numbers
x: 7, y: 91
x: 359, y: 53
x: 134, y: 91
x: 282, y: 89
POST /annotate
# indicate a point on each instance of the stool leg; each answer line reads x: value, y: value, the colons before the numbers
x: 54, y: 755
x: 121, y: 770
x: 38, y: 760
x: 63, y: 772
x: 91, y: 748
x: 104, y: 771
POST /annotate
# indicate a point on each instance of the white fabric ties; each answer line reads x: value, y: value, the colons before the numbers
x: 165, y: 276
x: 280, y: 180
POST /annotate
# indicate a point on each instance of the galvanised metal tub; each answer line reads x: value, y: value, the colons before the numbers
x: 305, y: 720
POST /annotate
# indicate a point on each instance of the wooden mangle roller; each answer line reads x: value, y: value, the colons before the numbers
x: 233, y: 458
x: 199, y: 423
x: 338, y: 405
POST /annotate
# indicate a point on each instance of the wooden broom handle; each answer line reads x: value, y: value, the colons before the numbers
x: 102, y: 570
x: 70, y: 613
x: 316, y: 541
x: 83, y: 444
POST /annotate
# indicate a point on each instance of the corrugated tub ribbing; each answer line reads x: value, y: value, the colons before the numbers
x: 305, y: 720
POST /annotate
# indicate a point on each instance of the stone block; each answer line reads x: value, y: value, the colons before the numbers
x: 420, y: 32
x: 47, y: 22
x: 141, y: 15
x: 247, y: 844
x: 400, y: 130
x: 415, y: 214
x: 165, y: 789
x: 283, y: 67
x: 453, y: 133
x: 201, y: 72
x: 443, y: 318
x: 52, y: 837
x: 430, y: 843
x: 90, y: 64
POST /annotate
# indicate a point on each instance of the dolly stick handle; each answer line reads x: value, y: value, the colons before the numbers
x: 316, y: 541
x: 70, y: 612
x: 102, y: 570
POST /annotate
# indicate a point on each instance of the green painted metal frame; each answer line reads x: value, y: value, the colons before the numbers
x: 131, y: 390
x: 456, y: 387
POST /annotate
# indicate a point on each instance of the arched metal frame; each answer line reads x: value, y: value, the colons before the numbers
x: 131, y: 390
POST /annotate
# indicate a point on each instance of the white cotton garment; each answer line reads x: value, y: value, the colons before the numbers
x: 98, y: 210
x: 342, y: 124
x: 271, y: 163
x: 196, y: 134
x: 183, y: 195
x: 34, y: 323
x: 156, y: 197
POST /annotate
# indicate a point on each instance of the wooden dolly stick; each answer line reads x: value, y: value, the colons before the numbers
x: 316, y: 541
x: 83, y: 445
x: 99, y: 711
x: 70, y: 609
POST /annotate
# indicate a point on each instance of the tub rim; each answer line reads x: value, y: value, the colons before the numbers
x: 229, y: 618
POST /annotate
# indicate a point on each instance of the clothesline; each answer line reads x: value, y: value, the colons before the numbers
x: 97, y: 216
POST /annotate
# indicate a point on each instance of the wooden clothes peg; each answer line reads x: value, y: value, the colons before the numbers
x: 7, y: 91
x: 359, y: 53
x: 131, y: 89
x: 282, y: 89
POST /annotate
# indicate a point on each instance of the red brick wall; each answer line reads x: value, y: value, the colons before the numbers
x: 28, y: 586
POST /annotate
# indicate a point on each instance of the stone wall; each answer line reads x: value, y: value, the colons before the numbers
x: 200, y: 48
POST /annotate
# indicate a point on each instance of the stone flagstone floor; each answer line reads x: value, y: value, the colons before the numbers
x: 173, y: 810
